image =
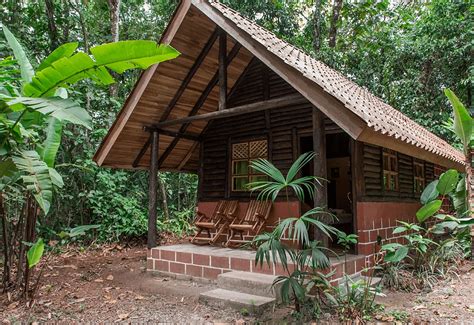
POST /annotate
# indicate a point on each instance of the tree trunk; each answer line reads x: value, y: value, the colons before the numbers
x: 164, y: 199
x: 317, y: 26
x: 6, y: 246
x: 52, y: 30
x: 336, y: 11
x: 114, y: 29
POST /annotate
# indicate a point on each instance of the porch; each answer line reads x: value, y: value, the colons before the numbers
x: 205, y: 263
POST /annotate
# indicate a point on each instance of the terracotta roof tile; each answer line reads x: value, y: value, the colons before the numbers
x: 378, y: 115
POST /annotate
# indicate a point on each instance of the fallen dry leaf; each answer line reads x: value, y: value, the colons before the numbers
x: 123, y: 316
x: 99, y: 280
x: 110, y: 277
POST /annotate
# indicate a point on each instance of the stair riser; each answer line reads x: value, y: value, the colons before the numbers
x: 250, y: 287
x: 249, y: 307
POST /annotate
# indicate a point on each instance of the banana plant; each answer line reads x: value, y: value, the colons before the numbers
x: 463, y: 127
x: 34, y: 110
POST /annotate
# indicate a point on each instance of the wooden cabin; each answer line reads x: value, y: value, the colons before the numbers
x: 237, y: 92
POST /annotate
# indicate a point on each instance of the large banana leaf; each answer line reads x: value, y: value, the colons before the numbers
x: 49, y: 148
x: 36, y: 176
x: 26, y: 69
x: 462, y: 119
x: 62, y: 109
x: 65, y: 50
x: 118, y: 56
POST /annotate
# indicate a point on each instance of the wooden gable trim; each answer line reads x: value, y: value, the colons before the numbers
x: 140, y: 87
x: 329, y: 105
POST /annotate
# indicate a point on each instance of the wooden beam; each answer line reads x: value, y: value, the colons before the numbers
x: 247, y: 108
x: 222, y: 70
x: 212, y: 83
x: 152, y: 190
x: 207, y: 47
x: 187, y: 135
x: 188, y: 155
x: 320, y: 168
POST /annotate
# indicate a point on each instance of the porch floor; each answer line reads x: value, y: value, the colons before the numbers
x: 190, y: 261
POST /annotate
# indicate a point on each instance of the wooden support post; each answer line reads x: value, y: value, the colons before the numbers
x: 152, y: 190
x: 320, y: 170
x: 222, y: 70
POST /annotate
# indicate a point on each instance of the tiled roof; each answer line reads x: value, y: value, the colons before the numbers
x: 378, y: 115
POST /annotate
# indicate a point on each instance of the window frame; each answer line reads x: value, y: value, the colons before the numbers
x: 419, y: 181
x: 390, y: 171
x: 249, y: 158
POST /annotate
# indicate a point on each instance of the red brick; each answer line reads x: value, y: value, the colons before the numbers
x: 148, y: 253
x: 200, y: 259
x: 194, y: 270
x: 360, y: 264
x: 168, y: 255
x: 210, y: 273
x: 155, y: 253
x: 363, y: 236
x: 177, y: 267
x: 240, y: 264
x: 149, y: 264
x: 265, y: 268
x: 279, y: 270
x: 350, y: 267
x: 184, y: 257
x: 365, y: 249
x: 161, y: 265
x: 220, y: 261
x: 373, y: 235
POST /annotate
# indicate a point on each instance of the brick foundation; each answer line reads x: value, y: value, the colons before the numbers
x: 205, y: 262
x: 376, y: 222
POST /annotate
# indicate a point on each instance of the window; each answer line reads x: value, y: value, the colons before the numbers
x: 243, y: 153
x: 419, y: 175
x: 390, y: 170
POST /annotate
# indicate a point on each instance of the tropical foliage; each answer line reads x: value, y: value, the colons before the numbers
x: 34, y: 110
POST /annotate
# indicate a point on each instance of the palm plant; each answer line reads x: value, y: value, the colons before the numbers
x: 310, y: 256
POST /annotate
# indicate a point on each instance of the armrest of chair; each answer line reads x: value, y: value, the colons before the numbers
x: 199, y: 216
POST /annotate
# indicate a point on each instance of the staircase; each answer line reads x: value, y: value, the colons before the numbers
x: 248, y: 291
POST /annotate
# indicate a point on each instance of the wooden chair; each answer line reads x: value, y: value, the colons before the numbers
x: 215, y: 225
x: 253, y: 222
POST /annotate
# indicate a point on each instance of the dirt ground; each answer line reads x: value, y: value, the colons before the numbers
x: 111, y: 285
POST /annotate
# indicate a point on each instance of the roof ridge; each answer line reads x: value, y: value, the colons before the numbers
x: 356, y: 98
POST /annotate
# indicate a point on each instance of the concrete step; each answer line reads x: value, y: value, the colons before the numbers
x: 247, y: 282
x: 252, y: 304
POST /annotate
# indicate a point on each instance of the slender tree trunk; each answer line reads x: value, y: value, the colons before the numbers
x: 164, y: 199
x: 6, y: 246
x: 336, y: 11
x: 66, y: 9
x: 317, y: 26
x: 114, y: 29
x: 52, y: 30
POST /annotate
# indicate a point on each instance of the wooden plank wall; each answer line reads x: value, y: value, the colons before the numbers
x: 373, y: 176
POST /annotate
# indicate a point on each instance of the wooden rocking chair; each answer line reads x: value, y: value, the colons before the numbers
x: 215, y: 225
x: 253, y: 222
